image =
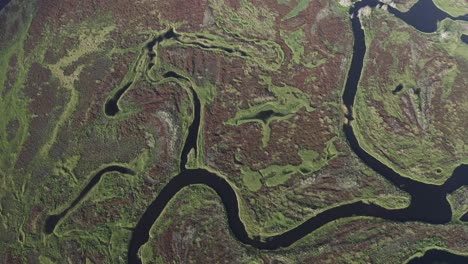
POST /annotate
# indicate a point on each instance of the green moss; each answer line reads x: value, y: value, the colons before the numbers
x: 458, y: 203
x: 403, y: 129
x: 192, y: 162
x: 251, y: 179
x: 288, y: 101
x: 264, y: 53
x: 312, y: 161
x: 391, y: 201
x: 13, y: 104
x: 45, y: 260
x: 278, y: 221
x: 146, y: 253
x: 206, y: 92
x: 449, y: 33
x: 248, y: 20
x: 301, y: 6
x: 453, y: 7
x: 295, y: 41
x: 110, y: 186
x: 119, y: 234
x: 106, y: 188
x: 283, y: 2
x: 110, y: 239
x: 91, y: 36
x: 276, y: 175
x: 22, y: 219
x: 398, y: 38
x: 448, y: 81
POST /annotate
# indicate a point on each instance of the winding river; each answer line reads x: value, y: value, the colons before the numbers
x: 428, y: 201
x: 53, y: 220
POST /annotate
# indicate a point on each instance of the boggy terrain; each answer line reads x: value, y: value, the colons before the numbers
x: 269, y: 78
x: 412, y: 97
x: 185, y: 232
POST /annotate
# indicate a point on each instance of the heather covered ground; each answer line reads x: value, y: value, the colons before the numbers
x: 269, y: 75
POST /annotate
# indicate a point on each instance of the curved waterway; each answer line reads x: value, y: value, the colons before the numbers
x: 439, y: 256
x: 111, y: 107
x: 52, y: 220
x: 191, y: 140
x: 428, y: 201
x: 424, y: 15
x: 148, y: 56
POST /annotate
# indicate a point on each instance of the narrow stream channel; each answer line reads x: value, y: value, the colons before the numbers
x: 428, y: 201
x: 52, y: 220
x: 191, y: 140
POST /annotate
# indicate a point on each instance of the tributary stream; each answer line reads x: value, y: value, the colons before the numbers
x: 428, y: 201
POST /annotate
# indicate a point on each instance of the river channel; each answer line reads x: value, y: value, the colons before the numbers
x: 428, y: 201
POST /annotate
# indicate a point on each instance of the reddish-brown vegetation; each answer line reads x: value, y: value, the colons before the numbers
x: 45, y: 94
x: 11, y: 75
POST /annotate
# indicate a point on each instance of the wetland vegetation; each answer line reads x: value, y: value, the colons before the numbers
x: 230, y: 116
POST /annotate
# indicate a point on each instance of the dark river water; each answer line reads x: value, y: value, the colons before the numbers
x: 464, y: 38
x: 111, y: 107
x: 424, y: 16
x: 52, y: 220
x: 428, y: 201
x: 464, y: 217
x: 436, y: 256
x: 3, y: 3
x: 191, y: 140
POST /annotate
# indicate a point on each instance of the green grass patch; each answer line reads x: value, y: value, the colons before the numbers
x: 453, y: 7
x: 288, y: 101
x: 295, y: 41
x: 275, y: 175
x: 248, y: 20
x: 251, y: 179
x: 312, y: 161
x: 398, y: 38
x: 408, y: 114
x: 301, y: 6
